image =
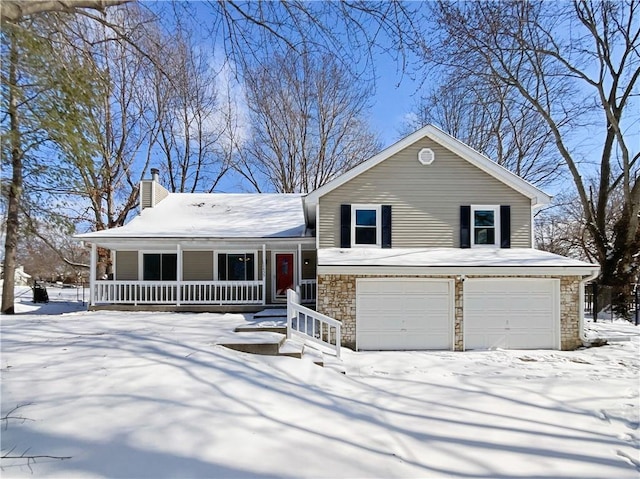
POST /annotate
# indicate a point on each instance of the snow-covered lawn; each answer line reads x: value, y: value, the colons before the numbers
x: 129, y: 395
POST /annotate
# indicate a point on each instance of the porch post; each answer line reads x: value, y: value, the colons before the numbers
x: 264, y: 274
x: 92, y: 275
x: 299, y: 267
x: 179, y: 274
x: 113, y: 265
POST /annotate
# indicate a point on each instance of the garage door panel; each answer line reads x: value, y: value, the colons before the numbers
x: 403, y: 286
x: 485, y: 340
x: 529, y: 340
x: 514, y: 313
x: 401, y: 341
x: 531, y: 321
x: 404, y: 314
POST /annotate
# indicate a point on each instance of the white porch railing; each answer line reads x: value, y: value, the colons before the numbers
x: 308, y: 291
x: 166, y: 292
x: 222, y: 292
x: 311, y: 325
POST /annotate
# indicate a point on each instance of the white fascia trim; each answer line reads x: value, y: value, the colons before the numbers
x: 537, y: 196
x: 308, y: 242
x: 458, y: 270
x: 317, y: 225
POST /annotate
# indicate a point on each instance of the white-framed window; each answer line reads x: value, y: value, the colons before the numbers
x: 158, y: 266
x: 236, y: 265
x: 485, y: 225
x: 366, y: 227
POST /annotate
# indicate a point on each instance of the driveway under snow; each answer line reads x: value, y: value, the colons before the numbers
x: 132, y: 395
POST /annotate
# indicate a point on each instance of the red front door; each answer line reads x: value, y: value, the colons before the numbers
x: 284, y: 273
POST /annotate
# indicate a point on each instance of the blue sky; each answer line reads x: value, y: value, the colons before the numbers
x: 394, y: 93
x: 394, y: 99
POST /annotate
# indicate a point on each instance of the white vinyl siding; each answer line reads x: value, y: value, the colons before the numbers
x: 126, y: 265
x: 197, y: 265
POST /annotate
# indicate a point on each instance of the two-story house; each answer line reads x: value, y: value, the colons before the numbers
x: 427, y: 245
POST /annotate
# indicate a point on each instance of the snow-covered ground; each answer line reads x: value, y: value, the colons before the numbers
x: 132, y: 395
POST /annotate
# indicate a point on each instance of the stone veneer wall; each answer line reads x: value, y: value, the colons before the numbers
x: 570, y: 313
x: 337, y: 299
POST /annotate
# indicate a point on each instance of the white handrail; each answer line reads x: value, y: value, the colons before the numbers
x: 311, y: 325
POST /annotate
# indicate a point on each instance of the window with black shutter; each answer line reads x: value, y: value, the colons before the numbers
x: 368, y: 226
x: 485, y: 226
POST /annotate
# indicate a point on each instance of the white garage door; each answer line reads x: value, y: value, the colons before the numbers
x: 511, y: 313
x: 404, y: 314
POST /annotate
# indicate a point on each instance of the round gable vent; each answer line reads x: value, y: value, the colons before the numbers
x: 426, y: 156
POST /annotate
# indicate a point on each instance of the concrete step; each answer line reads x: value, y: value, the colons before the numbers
x: 311, y: 354
x: 272, y: 341
x: 252, y: 328
x: 267, y: 343
x: 291, y: 348
x: 332, y: 362
x: 270, y: 313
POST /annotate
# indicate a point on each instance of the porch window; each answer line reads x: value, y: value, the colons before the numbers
x: 236, y: 266
x: 160, y: 266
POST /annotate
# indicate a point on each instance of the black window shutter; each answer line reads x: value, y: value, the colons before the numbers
x: 345, y: 226
x: 505, y: 226
x: 386, y: 226
x: 465, y: 226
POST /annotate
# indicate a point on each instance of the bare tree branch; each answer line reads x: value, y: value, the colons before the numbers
x: 15, y: 10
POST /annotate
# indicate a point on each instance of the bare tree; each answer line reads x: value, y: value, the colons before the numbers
x: 491, y: 118
x: 259, y: 30
x: 308, y: 123
x: 577, y: 66
x: 49, y: 252
x: 192, y: 120
x: 39, y: 116
x: 65, y: 138
x: 560, y: 229
x: 13, y: 11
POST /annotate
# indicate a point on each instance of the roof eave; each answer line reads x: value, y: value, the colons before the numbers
x: 459, y: 269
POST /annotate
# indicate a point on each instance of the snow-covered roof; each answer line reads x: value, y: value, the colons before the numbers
x: 446, y: 257
x: 215, y: 215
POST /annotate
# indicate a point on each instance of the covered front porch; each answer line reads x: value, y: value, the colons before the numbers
x: 196, y: 275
